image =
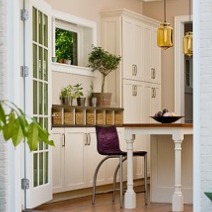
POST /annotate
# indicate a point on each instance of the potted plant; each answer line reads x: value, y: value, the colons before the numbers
x: 71, y: 92
x: 77, y: 93
x: 64, y: 46
x: 65, y: 95
x: 105, y: 62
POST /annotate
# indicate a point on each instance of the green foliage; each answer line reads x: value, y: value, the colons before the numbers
x: 73, y: 91
x: 15, y: 126
x: 103, y: 61
x: 64, y: 44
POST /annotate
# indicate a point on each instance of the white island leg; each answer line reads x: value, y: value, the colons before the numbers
x: 130, y: 195
x: 177, y: 197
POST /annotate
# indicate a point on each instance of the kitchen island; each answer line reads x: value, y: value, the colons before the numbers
x: 177, y: 131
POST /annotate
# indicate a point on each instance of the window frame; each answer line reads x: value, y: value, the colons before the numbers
x: 81, y: 27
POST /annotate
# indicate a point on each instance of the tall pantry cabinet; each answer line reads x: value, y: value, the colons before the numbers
x: 136, y: 85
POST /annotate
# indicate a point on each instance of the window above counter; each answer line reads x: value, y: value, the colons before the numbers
x: 72, y: 40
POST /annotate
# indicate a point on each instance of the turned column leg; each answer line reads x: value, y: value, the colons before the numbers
x: 130, y: 196
x: 177, y: 197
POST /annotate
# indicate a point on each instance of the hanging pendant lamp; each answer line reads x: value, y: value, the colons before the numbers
x: 188, y: 39
x: 188, y: 44
x: 164, y: 33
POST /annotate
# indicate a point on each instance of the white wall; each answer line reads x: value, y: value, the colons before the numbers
x: 203, y: 104
x: 3, y: 147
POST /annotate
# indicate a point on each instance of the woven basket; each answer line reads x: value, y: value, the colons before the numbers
x: 109, y: 118
x: 99, y: 118
x: 68, y: 118
x: 79, y: 118
x: 118, y: 118
x: 90, y: 118
x: 57, y: 118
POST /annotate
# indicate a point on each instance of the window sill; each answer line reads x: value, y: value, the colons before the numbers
x: 70, y: 69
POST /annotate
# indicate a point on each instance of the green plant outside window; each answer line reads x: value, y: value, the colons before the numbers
x: 66, y: 45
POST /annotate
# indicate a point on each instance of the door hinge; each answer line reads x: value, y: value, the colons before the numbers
x: 24, y: 71
x: 24, y: 14
x: 24, y: 183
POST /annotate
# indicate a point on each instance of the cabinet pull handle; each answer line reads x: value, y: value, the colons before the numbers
x: 133, y: 90
x: 135, y: 86
x: 86, y: 139
x: 152, y: 92
x: 133, y: 69
x: 89, y: 139
x: 64, y: 140
x: 153, y: 73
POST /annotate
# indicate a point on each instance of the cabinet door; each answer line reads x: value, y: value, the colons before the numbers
x: 132, y: 101
x: 58, y: 160
x: 151, y: 101
x: 151, y: 55
x: 132, y: 49
x: 155, y: 58
x: 75, y: 176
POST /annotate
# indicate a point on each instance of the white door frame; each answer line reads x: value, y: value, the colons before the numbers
x: 14, y: 202
x: 179, y: 106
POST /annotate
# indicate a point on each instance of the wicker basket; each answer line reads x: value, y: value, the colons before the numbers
x: 57, y: 118
x: 109, y: 118
x: 90, y: 118
x: 79, y: 118
x: 68, y: 118
x: 118, y: 118
x: 99, y: 118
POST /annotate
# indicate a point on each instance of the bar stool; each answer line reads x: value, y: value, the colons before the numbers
x: 108, y: 145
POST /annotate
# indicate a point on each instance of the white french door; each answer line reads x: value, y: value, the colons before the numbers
x: 37, y: 99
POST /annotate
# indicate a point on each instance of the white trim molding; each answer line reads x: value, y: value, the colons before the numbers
x: 179, y: 63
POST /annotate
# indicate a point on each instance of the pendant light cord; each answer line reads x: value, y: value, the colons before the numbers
x: 190, y: 10
x: 165, y: 11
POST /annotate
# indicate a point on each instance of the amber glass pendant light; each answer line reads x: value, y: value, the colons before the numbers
x: 188, y: 44
x: 164, y: 33
x: 188, y: 39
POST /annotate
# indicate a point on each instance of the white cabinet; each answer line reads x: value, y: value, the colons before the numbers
x: 133, y: 37
x: 74, y: 158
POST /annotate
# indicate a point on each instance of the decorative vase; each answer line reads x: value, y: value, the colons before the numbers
x: 103, y: 99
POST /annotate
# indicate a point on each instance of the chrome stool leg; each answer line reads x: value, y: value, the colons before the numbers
x: 95, y: 177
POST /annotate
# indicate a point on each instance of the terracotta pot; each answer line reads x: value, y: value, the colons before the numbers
x: 103, y: 99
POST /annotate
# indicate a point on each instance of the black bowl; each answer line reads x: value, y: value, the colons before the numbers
x: 166, y: 119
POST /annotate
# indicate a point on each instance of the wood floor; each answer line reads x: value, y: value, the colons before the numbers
x: 104, y: 204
